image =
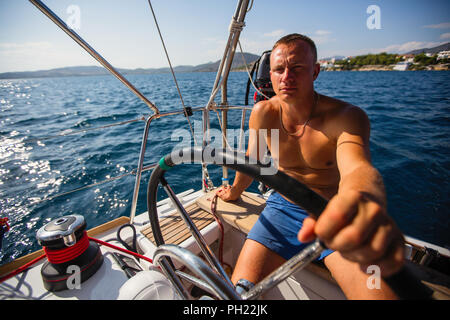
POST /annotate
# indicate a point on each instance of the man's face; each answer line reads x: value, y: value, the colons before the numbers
x: 293, y: 71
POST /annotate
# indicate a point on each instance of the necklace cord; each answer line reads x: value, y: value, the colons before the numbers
x: 302, y: 129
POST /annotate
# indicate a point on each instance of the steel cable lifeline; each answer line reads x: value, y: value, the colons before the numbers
x: 186, y: 114
x: 72, y: 132
x: 69, y: 132
x: 85, y: 187
x: 248, y: 72
x: 173, y: 73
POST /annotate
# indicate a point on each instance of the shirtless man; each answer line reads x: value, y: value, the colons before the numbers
x: 324, y: 143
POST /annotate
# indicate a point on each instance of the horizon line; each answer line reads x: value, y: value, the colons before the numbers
x: 99, y: 65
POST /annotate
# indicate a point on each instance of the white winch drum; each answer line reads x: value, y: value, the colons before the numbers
x: 148, y: 285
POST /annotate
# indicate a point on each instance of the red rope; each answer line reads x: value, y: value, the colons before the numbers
x: 4, y: 223
x: 21, y: 269
x: 68, y: 253
x: 121, y: 249
x: 213, y: 211
x: 222, y: 236
x: 62, y: 255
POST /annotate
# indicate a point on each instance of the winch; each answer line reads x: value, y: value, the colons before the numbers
x: 72, y: 257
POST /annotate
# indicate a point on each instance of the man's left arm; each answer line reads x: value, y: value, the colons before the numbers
x: 355, y: 221
x: 353, y: 157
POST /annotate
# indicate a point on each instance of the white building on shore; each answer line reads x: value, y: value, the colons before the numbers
x: 443, y: 55
x: 402, y: 66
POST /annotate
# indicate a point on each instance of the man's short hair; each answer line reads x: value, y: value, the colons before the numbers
x: 290, y: 38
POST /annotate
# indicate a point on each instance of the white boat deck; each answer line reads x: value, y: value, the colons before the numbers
x: 108, y: 283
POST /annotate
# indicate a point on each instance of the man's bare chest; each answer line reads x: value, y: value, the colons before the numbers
x: 314, y: 150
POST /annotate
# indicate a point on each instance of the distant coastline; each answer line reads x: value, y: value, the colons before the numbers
x: 238, y: 64
x: 84, y: 71
x: 366, y: 68
x: 430, y: 59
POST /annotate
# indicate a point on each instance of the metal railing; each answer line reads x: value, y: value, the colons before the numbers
x: 235, y: 29
x: 141, y: 168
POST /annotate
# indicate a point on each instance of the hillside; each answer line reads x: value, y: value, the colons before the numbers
x: 238, y: 62
x: 443, y: 47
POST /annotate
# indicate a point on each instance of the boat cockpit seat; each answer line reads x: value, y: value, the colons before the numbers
x: 240, y: 214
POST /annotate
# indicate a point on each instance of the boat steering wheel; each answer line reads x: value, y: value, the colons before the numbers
x: 402, y: 283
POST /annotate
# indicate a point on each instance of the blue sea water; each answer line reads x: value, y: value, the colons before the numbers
x: 409, y: 113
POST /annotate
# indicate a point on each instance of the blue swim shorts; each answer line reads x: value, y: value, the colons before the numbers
x: 278, y: 226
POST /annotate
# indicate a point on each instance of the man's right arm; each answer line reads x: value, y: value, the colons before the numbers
x: 231, y: 193
x: 242, y: 181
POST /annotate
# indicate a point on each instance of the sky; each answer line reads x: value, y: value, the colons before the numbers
x: 196, y: 31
